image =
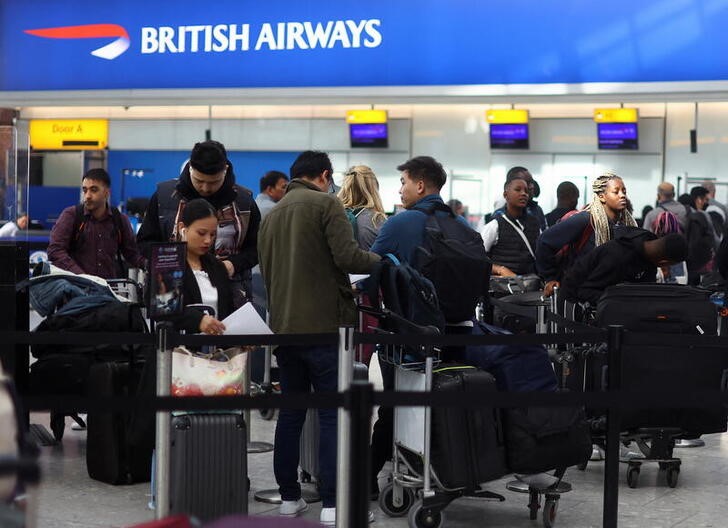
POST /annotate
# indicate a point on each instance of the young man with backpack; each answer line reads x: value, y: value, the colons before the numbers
x: 92, y: 237
x: 430, y: 238
x: 436, y: 242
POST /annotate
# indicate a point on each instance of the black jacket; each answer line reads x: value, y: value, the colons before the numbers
x: 189, y: 321
x: 619, y: 260
x: 159, y: 218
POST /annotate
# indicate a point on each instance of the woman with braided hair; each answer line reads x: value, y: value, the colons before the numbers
x: 559, y: 246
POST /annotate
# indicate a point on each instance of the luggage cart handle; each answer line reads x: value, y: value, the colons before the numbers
x: 406, y: 325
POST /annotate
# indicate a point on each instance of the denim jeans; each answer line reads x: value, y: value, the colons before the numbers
x: 302, y: 367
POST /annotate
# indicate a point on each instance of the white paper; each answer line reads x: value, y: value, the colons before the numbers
x: 245, y: 321
x: 354, y: 278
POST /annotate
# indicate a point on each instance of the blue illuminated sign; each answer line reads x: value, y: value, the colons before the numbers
x: 509, y: 136
x: 88, y: 45
x: 617, y: 136
x: 368, y: 135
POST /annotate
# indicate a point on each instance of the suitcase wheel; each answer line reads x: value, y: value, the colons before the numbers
x: 672, y: 473
x: 386, y: 501
x: 633, y: 476
x: 267, y: 414
x: 420, y: 517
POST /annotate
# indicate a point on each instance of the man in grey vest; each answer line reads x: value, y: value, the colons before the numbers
x: 209, y: 175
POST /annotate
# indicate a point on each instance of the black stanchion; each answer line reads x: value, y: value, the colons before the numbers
x: 360, y: 411
x: 611, y: 462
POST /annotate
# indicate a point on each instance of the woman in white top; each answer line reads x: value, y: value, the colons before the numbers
x: 206, y: 279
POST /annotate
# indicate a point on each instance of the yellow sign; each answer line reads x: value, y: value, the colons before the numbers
x: 615, y: 115
x: 366, y: 116
x: 69, y: 134
x: 507, y: 117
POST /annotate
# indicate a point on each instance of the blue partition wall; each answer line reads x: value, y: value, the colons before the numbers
x: 135, y: 173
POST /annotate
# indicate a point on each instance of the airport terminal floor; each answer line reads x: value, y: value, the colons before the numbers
x: 70, y: 499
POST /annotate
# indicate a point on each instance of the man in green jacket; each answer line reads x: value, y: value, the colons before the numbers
x: 306, y: 249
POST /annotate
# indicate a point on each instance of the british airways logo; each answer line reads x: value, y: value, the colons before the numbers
x: 108, y: 52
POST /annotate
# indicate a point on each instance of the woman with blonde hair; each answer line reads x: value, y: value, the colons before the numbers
x: 560, y: 245
x: 360, y: 195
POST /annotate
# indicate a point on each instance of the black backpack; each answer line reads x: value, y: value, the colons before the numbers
x: 453, y: 257
x: 405, y: 293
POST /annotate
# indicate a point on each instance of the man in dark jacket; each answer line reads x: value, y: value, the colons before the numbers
x: 307, y: 249
x: 92, y: 237
x: 631, y: 257
x: 209, y: 175
x: 567, y: 197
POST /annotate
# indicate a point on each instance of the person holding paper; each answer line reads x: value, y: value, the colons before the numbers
x: 206, y: 279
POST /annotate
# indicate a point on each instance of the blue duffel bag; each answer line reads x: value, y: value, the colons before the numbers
x: 516, y: 368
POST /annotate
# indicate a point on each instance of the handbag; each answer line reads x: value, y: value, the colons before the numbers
x: 221, y: 373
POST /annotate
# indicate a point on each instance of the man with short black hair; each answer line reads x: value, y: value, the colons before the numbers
x: 10, y: 229
x: 422, y: 178
x: 567, y: 197
x: 209, y: 174
x: 92, y: 237
x: 307, y: 249
x: 272, y: 188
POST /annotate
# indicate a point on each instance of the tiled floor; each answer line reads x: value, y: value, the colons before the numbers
x: 69, y: 498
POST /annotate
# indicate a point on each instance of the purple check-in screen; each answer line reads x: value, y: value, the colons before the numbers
x: 617, y: 135
x: 368, y: 135
x: 509, y: 136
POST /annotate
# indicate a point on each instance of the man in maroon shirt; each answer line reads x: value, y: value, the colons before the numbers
x: 92, y: 237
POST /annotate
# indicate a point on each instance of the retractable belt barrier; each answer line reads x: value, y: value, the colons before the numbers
x: 359, y: 400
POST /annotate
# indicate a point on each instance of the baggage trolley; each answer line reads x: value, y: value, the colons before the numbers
x: 416, y: 490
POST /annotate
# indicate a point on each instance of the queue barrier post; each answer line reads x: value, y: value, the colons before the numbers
x: 615, y: 335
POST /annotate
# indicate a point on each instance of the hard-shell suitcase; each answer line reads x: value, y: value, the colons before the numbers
x: 662, y: 308
x: 467, y: 443
x: 309, y: 445
x: 110, y: 455
x: 208, y: 465
x: 526, y: 304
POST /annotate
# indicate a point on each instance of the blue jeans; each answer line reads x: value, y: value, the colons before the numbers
x: 300, y: 368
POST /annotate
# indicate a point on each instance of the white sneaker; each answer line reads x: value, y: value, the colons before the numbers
x: 625, y: 455
x: 328, y: 517
x: 597, y: 454
x: 293, y: 508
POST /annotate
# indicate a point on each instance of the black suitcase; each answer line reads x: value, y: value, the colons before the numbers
x: 110, y: 455
x: 677, y: 369
x: 666, y: 308
x: 467, y: 443
x: 208, y: 465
